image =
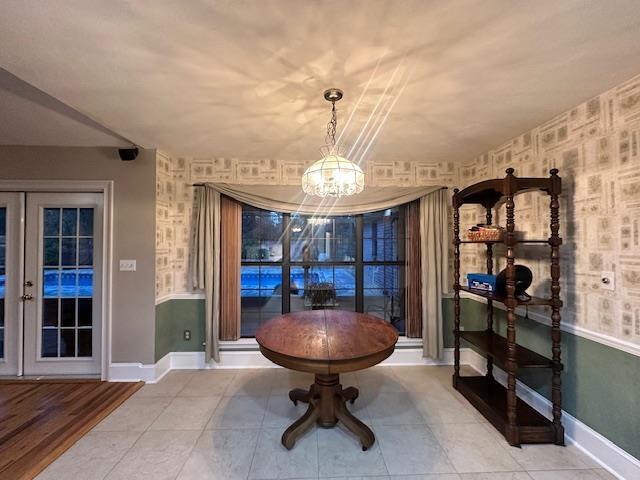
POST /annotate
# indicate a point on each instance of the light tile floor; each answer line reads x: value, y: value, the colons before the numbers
x: 226, y: 425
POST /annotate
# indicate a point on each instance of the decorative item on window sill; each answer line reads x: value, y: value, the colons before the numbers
x: 485, y: 233
x: 333, y: 175
x: 322, y: 294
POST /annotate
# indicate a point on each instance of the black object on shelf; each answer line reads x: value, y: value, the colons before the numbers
x: 523, y: 279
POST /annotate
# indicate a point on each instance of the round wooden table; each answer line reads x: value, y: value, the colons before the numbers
x: 326, y: 343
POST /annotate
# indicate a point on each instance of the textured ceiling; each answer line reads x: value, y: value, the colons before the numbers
x: 423, y: 80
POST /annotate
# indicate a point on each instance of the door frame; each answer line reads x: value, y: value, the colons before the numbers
x: 105, y: 187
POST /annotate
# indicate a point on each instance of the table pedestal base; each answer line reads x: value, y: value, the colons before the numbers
x: 327, y: 405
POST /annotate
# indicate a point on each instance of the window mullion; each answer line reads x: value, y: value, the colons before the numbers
x: 359, y: 267
x: 286, y: 264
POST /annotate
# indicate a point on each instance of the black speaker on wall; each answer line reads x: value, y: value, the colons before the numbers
x: 128, y: 154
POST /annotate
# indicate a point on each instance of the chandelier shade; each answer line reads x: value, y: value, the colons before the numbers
x: 333, y: 175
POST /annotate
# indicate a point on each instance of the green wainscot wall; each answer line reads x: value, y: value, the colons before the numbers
x: 173, y: 317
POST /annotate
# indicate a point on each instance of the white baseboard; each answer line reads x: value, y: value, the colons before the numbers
x: 241, y: 358
x: 600, y: 449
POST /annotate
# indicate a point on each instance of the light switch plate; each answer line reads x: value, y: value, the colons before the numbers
x: 607, y: 281
x: 127, y: 265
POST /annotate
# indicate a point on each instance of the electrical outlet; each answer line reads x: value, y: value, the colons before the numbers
x: 187, y: 335
x: 607, y: 281
x: 127, y: 265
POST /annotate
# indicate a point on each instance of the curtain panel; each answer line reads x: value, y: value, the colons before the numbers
x: 230, y: 261
x: 434, y: 253
x: 204, y: 264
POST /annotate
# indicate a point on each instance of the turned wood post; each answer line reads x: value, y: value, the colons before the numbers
x: 555, y: 241
x: 456, y: 287
x: 511, y: 432
x: 488, y: 221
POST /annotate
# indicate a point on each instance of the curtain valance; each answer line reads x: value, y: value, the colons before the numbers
x: 291, y: 199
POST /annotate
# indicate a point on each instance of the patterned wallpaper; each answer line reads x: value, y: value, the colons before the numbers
x: 596, y: 147
x: 174, y: 198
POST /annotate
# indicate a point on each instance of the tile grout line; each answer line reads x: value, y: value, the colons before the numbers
x: 253, y: 455
x: 260, y: 433
x: 188, y: 456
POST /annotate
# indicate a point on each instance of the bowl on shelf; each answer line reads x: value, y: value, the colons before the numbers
x: 485, y: 233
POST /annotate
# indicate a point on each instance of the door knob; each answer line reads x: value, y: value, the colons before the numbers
x: 26, y: 296
x: 28, y: 283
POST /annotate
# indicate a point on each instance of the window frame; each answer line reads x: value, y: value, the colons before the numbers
x: 358, y: 263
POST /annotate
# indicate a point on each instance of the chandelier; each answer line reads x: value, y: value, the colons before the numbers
x: 333, y: 174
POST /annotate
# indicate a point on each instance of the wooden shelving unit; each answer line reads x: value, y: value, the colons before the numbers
x: 500, y: 405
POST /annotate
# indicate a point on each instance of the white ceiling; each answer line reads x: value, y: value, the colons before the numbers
x: 245, y: 78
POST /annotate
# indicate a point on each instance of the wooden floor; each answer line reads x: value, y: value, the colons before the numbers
x: 41, y: 419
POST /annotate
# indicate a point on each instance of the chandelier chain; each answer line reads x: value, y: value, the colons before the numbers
x: 330, y: 139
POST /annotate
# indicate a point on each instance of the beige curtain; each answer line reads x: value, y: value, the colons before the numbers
x: 204, y: 263
x: 291, y: 199
x: 434, y: 252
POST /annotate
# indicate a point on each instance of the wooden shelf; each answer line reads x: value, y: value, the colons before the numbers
x: 496, y: 346
x: 501, y: 299
x: 490, y: 398
x: 524, y: 424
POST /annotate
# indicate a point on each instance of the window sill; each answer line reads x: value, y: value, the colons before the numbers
x: 250, y: 344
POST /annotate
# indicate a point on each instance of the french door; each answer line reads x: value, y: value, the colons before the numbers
x: 10, y: 307
x: 53, y: 278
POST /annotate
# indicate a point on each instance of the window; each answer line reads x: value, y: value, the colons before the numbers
x: 323, y: 258
x: 67, y: 291
x: 293, y: 262
x: 261, y: 271
x: 383, y: 265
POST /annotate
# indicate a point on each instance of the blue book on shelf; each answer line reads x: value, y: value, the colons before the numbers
x: 482, y: 281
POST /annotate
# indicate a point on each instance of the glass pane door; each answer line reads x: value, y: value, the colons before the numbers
x: 3, y: 272
x: 9, y: 282
x: 63, y: 315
